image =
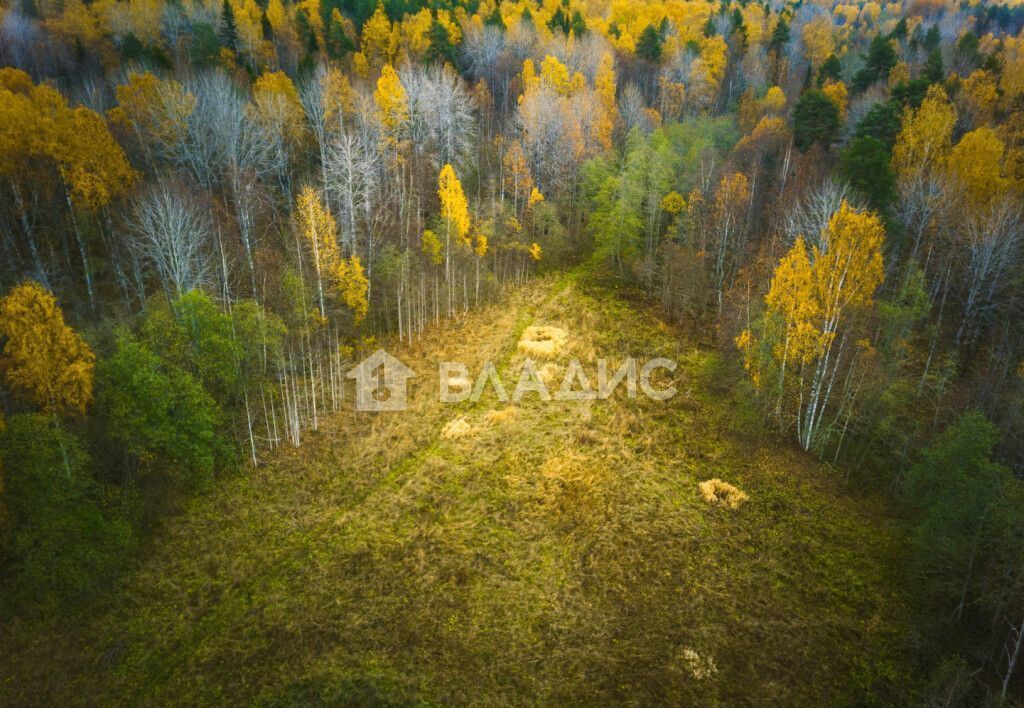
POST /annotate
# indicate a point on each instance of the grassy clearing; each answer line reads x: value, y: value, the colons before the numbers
x: 553, y: 553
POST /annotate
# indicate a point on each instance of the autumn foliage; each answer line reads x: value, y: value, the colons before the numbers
x: 44, y: 359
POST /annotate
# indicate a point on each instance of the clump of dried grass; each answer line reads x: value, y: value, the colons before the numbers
x: 543, y: 342
x: 715, y: 491
x: 550, y: 374
x: 568, y: 486
x: 503, y: 415
x: 699, y: 667
x: 455, y: 429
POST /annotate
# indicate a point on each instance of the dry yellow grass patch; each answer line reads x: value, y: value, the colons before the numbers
x: 568, y: 486
x: 715, y: 491
x: 495, y: 417
x: 550, y: 374
x: 543, y: 342
x: 455, y: 429
x: 697, y: 666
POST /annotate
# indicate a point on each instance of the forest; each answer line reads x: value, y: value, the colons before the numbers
x: 211, y: 210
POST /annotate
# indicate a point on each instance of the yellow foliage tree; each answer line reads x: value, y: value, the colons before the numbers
x: 774, y: 101
x: 535, y: 198
x: 430, y: 244
x: 80, y: 24
x: 378, y: 42
x: 414, y: 29
x: 848, y: 267
x: 837, y: 93
x: 360, y: 65
x: 977, y: 164
x: 392, y: 105
x: 317, y: 228
x: 517, y: 171
x: 818, y: 40
x: 156, y: 110
x: 555, y: 74
x: 39, y: 131
x: 899, y: 74
x: 529, y: 77
x: 353, y: 287
x: 817, y: 298
x: 925, y: 135
x: 707, y: 71
x: 454, y: 207
x: 791, y: 295
x: 91, y: 162
x: 978, y: 96
x: 42, y: 357
x: 1011, y: 78
x: 339, y: 100
x: 344, y: 277
x: 277, y: 106
x: 454, y: 210
x: 278, y: 18
x: 673, y: 203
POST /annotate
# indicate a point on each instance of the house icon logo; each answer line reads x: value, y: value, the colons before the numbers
x: 381, y: 382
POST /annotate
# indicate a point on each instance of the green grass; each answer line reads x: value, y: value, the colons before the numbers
x: 562, y: 556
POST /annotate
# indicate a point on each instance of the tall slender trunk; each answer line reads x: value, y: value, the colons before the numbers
x: 81, y: 250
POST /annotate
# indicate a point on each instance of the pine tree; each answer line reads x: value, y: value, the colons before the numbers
x: 830, y: 70
x: 440, y: 47
x: 559, y: 21
x: 878, y: 62
x: 494, y: 18
x: 780, y: 35
x: 900, y: 30
x: 864, y: 163
x: 577, y: 25
x: 227, y: 31
x: 266, y: 29
x: 337, y: 40
x: 815, y: 120
x: 649, y: 45
x: 306, y: 31
x: 933, y: 70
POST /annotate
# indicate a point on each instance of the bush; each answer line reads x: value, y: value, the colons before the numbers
x: 59, y: 544
x: 161, y: 415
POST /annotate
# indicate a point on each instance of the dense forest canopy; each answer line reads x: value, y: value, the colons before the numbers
x: 209, y: 208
